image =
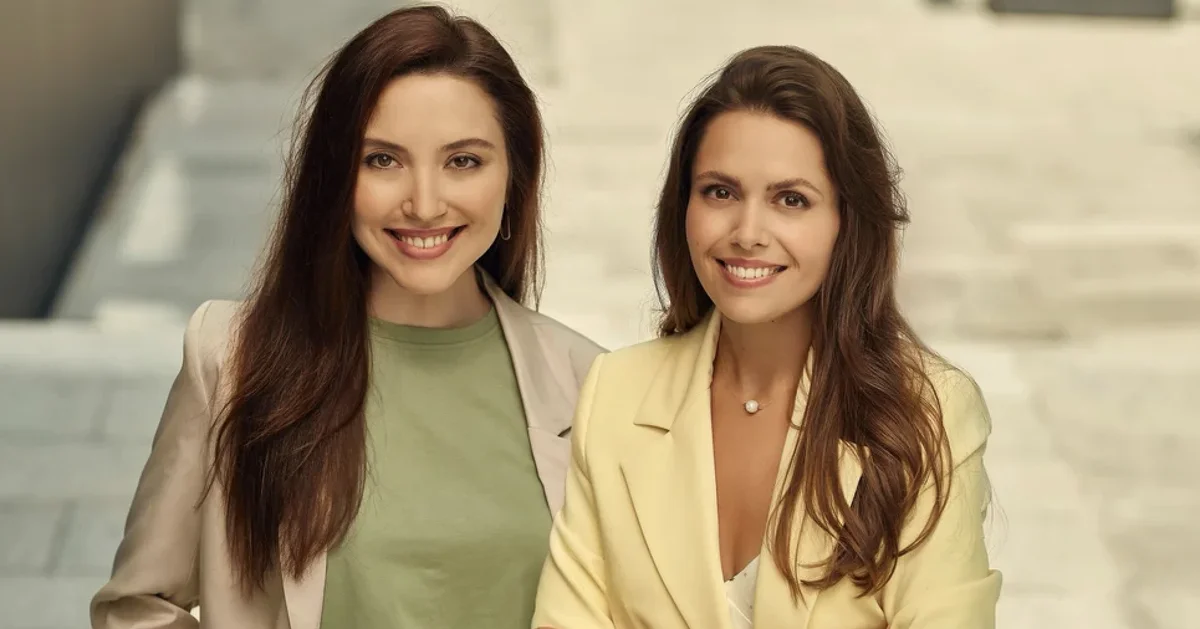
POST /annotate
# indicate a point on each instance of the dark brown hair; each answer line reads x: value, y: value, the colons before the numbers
x: 290, y: 448
x: 868, y: 386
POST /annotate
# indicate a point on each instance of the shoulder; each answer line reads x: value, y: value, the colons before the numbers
x: 212, y: 325
x: 558, y: 337
x: 965, y: 415
x: 624, y: 379
x: 636, y: 362
x: 208, y: 339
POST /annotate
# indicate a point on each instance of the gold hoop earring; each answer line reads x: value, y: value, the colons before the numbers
x: 505, y: 230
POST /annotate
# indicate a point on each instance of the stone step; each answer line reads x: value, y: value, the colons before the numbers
x: 1060, y: 279
x: 975, y: 296
x: 1094, y: 307
x: 1104, y: 276
x: 269, y: 39
x: 1065, y: 253
x: 191, y: 202
x: 229, y: 120
x: 120, y: 346
x: 81, y: 402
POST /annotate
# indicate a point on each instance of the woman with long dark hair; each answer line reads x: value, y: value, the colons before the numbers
x: 788, y: 454
x: 377, y: 437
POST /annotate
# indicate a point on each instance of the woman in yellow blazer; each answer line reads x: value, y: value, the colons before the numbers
x: 788, y: 455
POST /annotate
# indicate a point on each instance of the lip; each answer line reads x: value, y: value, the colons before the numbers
x: 421, y: 253
x: 742, y: 282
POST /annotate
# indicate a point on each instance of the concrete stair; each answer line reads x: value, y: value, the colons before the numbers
x: 1062, y: 280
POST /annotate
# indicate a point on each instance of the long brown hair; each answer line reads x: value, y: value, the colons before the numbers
x: 290, y: 446
x: 869, y: 386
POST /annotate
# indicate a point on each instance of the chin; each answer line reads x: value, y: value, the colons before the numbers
x: 760, y: 308
x: 426, y: 281
x: 749, y: 314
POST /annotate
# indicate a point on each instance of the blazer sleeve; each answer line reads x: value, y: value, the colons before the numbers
x: 573, y: 592
x: 154, y: 582
x: 946, y: 583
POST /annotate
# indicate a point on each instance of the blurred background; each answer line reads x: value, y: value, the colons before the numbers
x: 1052, y: 158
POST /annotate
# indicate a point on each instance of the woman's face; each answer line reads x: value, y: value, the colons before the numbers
x: 762, y: 217
x: 432, y: 181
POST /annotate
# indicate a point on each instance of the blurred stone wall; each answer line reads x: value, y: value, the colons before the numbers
x: 73, y: 74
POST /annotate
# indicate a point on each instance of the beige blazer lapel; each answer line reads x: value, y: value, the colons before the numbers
x: 226, y: 604
x: 305, y: 597
x: 549, y: 389
x: 672, y: 482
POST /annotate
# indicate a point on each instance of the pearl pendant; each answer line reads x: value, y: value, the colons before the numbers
x: 751, y: 406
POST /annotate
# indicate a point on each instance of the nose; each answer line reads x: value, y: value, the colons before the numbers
x: 750, y: 231
x: 425, y: 204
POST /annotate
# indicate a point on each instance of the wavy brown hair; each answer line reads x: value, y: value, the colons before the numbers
x: 290, y: 446
x: 869, y: 386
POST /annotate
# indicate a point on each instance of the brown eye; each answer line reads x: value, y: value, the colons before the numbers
x: 794, y: 199
x: 380, y: 160
x: 720, y: 193
x: 463, y: 162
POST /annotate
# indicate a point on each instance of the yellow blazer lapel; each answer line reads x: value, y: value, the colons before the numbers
x: 774, y: 607
x: 672, y: 483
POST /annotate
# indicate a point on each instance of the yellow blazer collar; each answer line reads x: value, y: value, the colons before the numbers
x: 687, y: 375
x: 672, y: 483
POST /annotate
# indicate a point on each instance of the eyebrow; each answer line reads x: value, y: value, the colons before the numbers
x: 730, y: 180
x: 453, y: 146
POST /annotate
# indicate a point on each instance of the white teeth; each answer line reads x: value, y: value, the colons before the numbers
x: 425, y: 243
x: 753, y: 273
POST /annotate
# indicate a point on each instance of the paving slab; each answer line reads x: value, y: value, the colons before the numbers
x: 31, y: 531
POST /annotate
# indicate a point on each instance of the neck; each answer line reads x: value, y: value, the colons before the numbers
x: 463, y: 303
x: 764, y: 359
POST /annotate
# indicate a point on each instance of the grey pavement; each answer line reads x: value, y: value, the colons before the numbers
x: 1052, y: 168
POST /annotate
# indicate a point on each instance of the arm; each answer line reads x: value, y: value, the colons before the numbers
x: 946, y: 583
x: 573, y: 589
x: 154, y: 582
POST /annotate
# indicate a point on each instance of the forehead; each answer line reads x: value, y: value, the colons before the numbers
x: 761, y: 148
x: 435, y: 109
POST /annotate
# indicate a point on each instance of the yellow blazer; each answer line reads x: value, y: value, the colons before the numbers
x: 636, y: 543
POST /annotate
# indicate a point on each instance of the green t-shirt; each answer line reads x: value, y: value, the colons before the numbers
x: 454, y: 525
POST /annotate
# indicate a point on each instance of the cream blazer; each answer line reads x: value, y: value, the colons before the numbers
x: 174, y: 557
x: 636, y: 544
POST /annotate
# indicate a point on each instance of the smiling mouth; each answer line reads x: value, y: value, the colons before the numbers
x: 426, y: 240
x: 424, y: 244
x: 750, y: 273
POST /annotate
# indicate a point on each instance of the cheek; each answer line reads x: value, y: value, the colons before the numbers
x: 703, y: 230
x: 482, y: 197
x: 374, y: 198
x: 813, y: 247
